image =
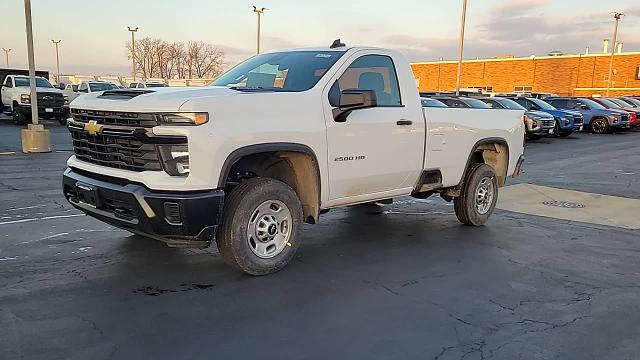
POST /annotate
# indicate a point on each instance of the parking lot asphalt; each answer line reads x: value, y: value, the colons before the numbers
x: 404, y: 281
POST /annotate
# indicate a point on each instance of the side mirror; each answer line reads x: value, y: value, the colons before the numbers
x: 354, y: 99
x: 62, y: 86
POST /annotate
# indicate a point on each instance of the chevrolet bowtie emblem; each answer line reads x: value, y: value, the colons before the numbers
x: 92, y: 127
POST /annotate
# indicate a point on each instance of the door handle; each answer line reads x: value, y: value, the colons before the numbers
x: 404, y: 122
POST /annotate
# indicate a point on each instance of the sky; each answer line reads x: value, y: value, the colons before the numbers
x: 93, y: 32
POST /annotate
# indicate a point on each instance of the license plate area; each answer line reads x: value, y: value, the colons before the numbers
x: 87, y: 194
x: 48, y: 110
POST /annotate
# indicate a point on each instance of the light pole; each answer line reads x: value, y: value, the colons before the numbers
x: 133, y: 50
x: 56, y: 43
x: 6, y: 54
x: 616, y: 16
x: 461, y: 46
x: 259, y: 12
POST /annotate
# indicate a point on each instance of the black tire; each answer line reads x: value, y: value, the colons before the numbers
x: 232, y: 238
x: 465, y: 205
x: 18, y: 117
x: 556, y: 130
x: 565, y: 134
x: 61, y: 119
x: 599, y: 126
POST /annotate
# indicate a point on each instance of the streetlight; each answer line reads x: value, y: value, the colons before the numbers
x: 461, y: 47
x: 56, y: 43
x: 133, y: 50
x: 617, y: 16
x: 259, y: 12
x: 6, y: 54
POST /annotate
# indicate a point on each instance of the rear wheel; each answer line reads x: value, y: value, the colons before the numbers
x: 478, y: 196
x: 260, y: 230
x: 599, y: 126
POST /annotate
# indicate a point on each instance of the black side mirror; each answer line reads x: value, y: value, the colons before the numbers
x: 61, y: 86
x: 354, y: 99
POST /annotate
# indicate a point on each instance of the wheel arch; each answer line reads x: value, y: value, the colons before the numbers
x: 493, y: 151
x: 293, y: 163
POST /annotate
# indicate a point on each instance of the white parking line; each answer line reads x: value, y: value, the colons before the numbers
x: 42, y: 218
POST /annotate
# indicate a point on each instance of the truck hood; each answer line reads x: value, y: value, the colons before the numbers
x: 563, y: 113
x: 148, y: 100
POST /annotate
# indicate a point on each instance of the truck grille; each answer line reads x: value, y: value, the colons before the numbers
x: 625, y: 118
x: 115, y: 118
x: 116, y: 151
x: 50, y: 100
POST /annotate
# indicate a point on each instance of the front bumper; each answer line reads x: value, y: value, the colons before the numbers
x: 177, y: 218
x: 44, y: 112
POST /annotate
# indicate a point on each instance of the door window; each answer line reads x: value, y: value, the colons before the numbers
x: 83, y: 87
x: 370, y: 72
x: 8, y: 83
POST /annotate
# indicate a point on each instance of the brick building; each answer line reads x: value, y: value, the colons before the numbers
x: 565, y: 75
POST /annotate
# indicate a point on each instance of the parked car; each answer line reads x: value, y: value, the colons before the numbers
x: 461, y: 102
x: 275, y: 142
x: 633, y: 102
x: 597, y: 118
x: 15, y: 95
x: 539, y: 124
x: 87, y: 87
x: 427, y: 102
x: 612, y: 103
x: 146, y: 85
x: 566, y: 121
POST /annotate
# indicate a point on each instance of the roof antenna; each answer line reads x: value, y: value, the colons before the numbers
x: 337, y: 44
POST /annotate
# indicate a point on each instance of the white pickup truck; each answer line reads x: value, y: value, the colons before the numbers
x: 16, y: 99
x: 87, y: 87
x: 275, y: 142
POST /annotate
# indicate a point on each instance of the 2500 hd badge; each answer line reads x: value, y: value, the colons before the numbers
x: 350, y: 158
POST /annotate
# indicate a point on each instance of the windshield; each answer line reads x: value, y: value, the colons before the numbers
x: 543, y: 105
x: 475, y: 103
x: 433, y: 103
x: 155, y: 85
x: 40, y: 82
x: 619, y: 102
x: 608, y: 103
x: 510, y: 104
x: 592, y: 104
x: 285, y: 71
x: 101, y: 86
x: 632, y: 101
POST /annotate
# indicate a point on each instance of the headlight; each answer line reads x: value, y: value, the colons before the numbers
x: 175, y: 159
x: 25, y: 98
x: 614, y: 118
x: 183, y: 119
x: 66, y: 100
x: 567, y: 120
x: 534, y: 123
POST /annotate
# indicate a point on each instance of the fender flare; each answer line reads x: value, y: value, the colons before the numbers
x: 490, y: 140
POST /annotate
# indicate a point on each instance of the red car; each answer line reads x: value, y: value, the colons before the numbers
x: 611, y: 104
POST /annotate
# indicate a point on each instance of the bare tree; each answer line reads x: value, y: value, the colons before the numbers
x: 159, y: 58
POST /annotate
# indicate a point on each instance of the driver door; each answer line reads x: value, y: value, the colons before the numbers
x: 376, y: 152
x: 5, y: 98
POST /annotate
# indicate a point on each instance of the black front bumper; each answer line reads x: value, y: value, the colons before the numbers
x: 177, y: 218
x: 56, y: 112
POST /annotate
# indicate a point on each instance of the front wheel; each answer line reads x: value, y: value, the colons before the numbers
x: 478, y: 196
x: 260, y: 231
x: 18, y: 117
x: 599, y: 126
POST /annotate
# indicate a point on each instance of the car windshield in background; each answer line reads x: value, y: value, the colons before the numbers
x: 632, y: 101
x: 510, y: 104
x: 475, y: 103
x: 101, y: 86
x: 432, y: 103
x: 620, y: 103
x: 592, y: 104
x: 286, y: 71
x: 40, y: 82
x: 155, y: 85
x: 609, y: 103
x: 543, y: 105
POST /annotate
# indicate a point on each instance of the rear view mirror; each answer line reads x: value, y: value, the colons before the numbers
x: 353, y: 99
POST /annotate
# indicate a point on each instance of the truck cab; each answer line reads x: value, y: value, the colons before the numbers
x: 87, y: 87
x: 16, y: 99
x: 597, y: 118
x: 275, y: 142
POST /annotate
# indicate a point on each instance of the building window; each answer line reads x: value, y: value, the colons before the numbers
x: 523, y: 89
x: 638, y: 73
x: 484, y: 89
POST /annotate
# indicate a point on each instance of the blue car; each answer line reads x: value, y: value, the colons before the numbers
x: 597, y: 118
x: 566, y: 121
